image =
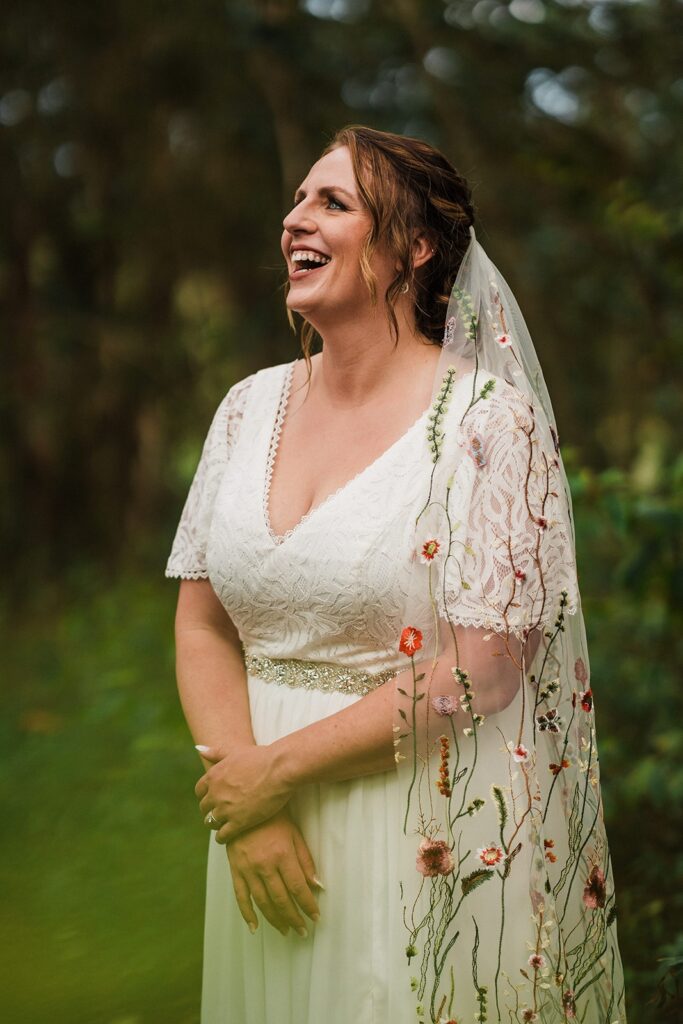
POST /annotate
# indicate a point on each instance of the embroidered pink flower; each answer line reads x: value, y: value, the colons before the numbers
x: 411, y: 641
x: 580, y: 671
x: 520, y: 575
x: 586, y: 699
x: 519, y: 752
x: 537, y: 961
x: 490, y: 855
x: 430, y: 550
x: 569, y: 1004
x: 594, y: 889
x: 444, y: 705
x: 504, y: 340
x: 434, y: 858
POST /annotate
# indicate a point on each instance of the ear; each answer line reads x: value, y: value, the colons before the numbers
x: 423, y: 250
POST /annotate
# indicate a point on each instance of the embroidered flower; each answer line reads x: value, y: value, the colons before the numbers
x: 504, y: 340
x: 551, y: 721
x: 594, y: 889
x: 580, y: 671
x: 475, y: 450
x: 411, y: 641
x: 557, y: 768
x: 586, y: 698
x: 520, y: 575
x: 537, y: 961
x: 519, y: 752
x: 548, y: 847
x: 443, y: 783
x: 444, y: 705
x: 430, y: 550
x: 449, y: 333
x: 529, y: 1015
x: 569, y: 1004
x: 434, y: 858
x: 541, y: 522
x: 490, y: 855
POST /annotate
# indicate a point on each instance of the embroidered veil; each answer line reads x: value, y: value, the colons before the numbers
x: 506, y: 882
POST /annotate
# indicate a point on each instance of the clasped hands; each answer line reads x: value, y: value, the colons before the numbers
x: 243, y: 787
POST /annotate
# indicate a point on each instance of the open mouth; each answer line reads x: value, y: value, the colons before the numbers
x: 306, y: 261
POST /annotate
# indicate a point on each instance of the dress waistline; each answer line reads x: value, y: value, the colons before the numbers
x: 316, y: 675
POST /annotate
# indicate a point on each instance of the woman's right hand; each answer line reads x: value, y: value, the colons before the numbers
x: 272, y: 865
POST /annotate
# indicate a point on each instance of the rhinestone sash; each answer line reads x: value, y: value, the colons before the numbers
x: 316, y: 675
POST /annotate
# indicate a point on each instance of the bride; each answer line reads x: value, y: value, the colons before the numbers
x: 346, y: 553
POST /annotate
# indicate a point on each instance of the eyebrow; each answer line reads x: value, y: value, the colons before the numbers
x: 326, y: 190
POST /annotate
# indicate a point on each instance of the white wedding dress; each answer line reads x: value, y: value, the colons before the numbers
x: 319, y: 612
x: 328, y: 591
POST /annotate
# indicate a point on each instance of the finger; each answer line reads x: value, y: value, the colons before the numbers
x: 266, y: 906
x: 244, y: 903
x: 229, y: 830
x: 205, y: 805
x: 298, y: 888
x: 210, y: 753
x: 306, y: 860
x: 283, y: 902
x: 202, y: 787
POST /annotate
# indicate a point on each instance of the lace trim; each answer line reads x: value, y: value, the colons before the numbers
x: 272, y: 454
x: 316, y: 675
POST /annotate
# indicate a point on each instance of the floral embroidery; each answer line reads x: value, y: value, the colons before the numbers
x: 519, y: 752
x: 411, y: 641
x: 490, y: 855
x: 475, y: 450
x: 586, y: 699
x: 430, y: 550
x: 449, y: 333
x: 443, y: 782
x: 548, y: 847
x: 594, y: 889
x: 504, y: 340
x: 434, y: 857
x: 557, y: 768
x: 568, y: 1003
x: 551, y: 721
x: 520, y: 575
x: 444, y: 705
x: 580, y: 671
x: 537, y: 961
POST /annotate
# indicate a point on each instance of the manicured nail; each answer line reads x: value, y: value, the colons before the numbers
x: 316, y: 881
x: 315, y: 917
x: 252, y: 927
x: 302, y: 932
x: 201, y: 749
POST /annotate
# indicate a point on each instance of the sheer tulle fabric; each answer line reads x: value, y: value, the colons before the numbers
x: 506, y: 881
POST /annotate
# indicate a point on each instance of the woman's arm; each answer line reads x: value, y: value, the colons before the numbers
x: 210, y: 669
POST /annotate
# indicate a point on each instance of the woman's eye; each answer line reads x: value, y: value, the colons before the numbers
x: 335, y: 204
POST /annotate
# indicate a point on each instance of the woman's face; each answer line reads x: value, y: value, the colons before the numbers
x: 322, y: 241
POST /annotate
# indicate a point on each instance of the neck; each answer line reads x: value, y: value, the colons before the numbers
x: 361, y: 360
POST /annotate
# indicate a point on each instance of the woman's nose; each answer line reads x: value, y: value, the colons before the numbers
x: 298, y: 220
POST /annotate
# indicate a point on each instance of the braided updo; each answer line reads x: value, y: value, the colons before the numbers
x: 409, y: 188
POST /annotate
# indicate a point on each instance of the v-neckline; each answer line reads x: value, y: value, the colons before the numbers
x: 274, y: 446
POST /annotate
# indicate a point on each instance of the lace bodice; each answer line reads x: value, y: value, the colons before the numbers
x: 334, y: 587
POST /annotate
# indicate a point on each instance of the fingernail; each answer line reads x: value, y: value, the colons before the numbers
x: 201, y: 749
x: 284, y: 931
x: 302, y: 932
x: 315, y: 917
x: 252, y: 927
x: 316, y: 881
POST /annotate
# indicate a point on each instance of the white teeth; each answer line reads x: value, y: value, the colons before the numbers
x: 299, y: 255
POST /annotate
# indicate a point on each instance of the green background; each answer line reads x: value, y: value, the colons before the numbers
x: 148, y: 151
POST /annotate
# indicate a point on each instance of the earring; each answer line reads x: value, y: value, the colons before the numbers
x: 404, y: 288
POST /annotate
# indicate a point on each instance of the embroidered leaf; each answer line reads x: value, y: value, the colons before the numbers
x: 403, y: 692
x: 471, y: 882
x: 403, y: 715
x: 501, y: 805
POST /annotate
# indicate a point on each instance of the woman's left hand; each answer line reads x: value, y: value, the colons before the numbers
x: 242, y: 788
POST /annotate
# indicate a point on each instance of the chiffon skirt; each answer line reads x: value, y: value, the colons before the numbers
x: 352, y: 968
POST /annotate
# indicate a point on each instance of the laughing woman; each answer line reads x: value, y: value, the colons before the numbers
x: 380, y: 646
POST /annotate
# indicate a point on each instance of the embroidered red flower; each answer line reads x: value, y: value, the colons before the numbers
x: 434, y: 857
x: 490, y: 855
x: 537, y: 961
x: 541, y: 522
x: 519, y: 752
x: 557, y: 768
x: 586, y: 699
x: 520, y: 575
x: 430, y: 550
x: 504, y: 340
x: 594, y: 889
x: 411, y: 641
x: 548, y: 847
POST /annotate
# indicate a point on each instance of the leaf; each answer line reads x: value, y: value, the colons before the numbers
x: 401, y: 691
x: 418, y: 679
x: 419, y: 696
x: 501, y: 804
x: 403, y: 715
x: 471, y: 882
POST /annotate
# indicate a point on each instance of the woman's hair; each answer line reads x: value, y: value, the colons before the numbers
x: 409, y: 188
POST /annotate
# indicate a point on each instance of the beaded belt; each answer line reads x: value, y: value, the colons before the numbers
x: 316, y: 675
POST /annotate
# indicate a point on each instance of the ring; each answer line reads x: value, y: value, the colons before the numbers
x: 210, y: 820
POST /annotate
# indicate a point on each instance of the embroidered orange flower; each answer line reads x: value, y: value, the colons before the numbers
x: 557, y: 768
x: 411, y: 641
x: 548, y: 847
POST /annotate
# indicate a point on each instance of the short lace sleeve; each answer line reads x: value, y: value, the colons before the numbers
x: 514, y: 551
x: 188, y: 553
